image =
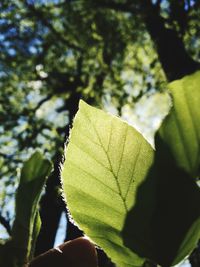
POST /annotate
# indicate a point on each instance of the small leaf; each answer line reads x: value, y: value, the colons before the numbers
x: 106, y: 161
x: 33, y: 177
x: 181, y: 129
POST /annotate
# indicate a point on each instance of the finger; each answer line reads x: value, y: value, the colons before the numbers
x: 77, y: 253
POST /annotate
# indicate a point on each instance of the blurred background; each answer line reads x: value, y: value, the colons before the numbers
x: 117, y: 55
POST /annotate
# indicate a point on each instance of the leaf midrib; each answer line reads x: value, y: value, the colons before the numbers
x: 195, y: 130
x: 108, y: 158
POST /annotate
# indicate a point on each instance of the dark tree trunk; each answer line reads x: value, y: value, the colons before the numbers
x: 52, y: 204
x: 172, y: 54
x: 51, y: 208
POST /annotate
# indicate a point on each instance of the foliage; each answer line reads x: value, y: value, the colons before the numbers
x: 20, y: 248
x: 53, y: 54
x: 113, y: 54
x: 126, y: 196
x: 181, y: 129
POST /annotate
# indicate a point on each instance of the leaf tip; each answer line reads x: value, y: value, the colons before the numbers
x: 82, y: 104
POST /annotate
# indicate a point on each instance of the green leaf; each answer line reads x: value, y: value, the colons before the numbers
x: 25, y: 227
x: 174, y: 229
x: 181, y: 129
x: 164, y: 223
x: 126, y: 197
x: 106, y: 161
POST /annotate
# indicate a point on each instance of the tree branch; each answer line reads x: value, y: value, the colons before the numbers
x: 168, y: 43
x: 41, y: 102
x: 6, y: 224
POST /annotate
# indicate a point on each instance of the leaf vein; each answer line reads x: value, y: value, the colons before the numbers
x: 86, y: 152
x: 92, y: 176
x: 184, y: 145
x: 133, y: 171
x: 194, y: 127
x: 88, y: 194
x: 123, y: 149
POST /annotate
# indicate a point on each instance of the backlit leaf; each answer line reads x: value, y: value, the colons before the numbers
x: 181, y: 129
x: 127, y: 197
x: 106, y: 160
x: 27, y: 223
